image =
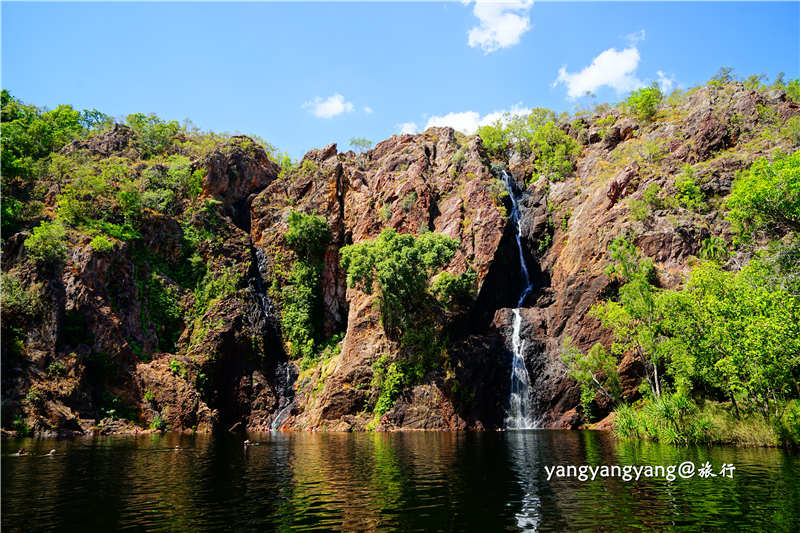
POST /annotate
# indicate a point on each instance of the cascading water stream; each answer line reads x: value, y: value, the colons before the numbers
x: 519, y: 415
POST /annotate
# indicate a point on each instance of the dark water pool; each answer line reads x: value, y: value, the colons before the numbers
x: 387, y: 482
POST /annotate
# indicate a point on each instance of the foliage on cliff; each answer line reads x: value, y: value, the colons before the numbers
x: 725, y: 336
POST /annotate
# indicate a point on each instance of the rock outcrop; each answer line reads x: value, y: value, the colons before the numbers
x: 92, y: 351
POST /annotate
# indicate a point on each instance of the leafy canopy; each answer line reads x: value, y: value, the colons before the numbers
x: 308, y: 235
x: 643, y: 103
x: 767, y: 197
x: 47, y: 244
x: 399, y: 266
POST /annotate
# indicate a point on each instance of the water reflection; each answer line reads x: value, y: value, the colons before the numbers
x: 384, y: 482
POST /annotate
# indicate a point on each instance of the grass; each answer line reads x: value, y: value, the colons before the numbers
x: 709, y: 423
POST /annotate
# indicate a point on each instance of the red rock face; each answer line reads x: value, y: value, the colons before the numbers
x: 412, y: 183
x: 230, y: 365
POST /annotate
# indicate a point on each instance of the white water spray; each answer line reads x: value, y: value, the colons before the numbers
x: 520, y: 411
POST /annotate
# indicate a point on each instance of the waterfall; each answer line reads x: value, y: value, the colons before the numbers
x: 519, y: 415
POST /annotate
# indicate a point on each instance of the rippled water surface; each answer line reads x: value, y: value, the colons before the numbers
x: 385, y: 482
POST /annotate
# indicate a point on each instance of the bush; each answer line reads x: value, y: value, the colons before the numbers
x: 164, y: 312
x: 34, y: 397
x: 791, y: 130
x: 158, y: 423
x: 30, y: 134
x: 57, y: 368
x: 595, y: 372
x: 714, y: 249
x: 101, y: 244
x: 399, y: 266
x: 651, y: 196
x: 18, y: 300
x: 153, y: 136
x: 299, y: 313
x: 514, y: 132
x: 308, y: 235
x: 689, y: 194
x: 766, y: 197
x: 554, y: 150
x: 301, y: 306
x: 643, y: 103
x: 360, y: 144
x: 390, y: 379
x: 179, y: 368
x: 787, y: 426
x: 640, y: 210
x: 450, y: 290
x: 46, y: 246
x: 214, y: 286
x: 671, y: 419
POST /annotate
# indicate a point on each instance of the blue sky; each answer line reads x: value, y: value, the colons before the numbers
x: 302, y: 75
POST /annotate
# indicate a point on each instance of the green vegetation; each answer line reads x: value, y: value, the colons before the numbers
x: 46, y: 246
x: 412, y: 294
x: 400, y: 266
x: 179, y: 368
x: 537, y: 135
x: 452, y: 290
x: 714, y: 249
x: 689, y: 194
x: 766, y: 197
x: 360, y: 144
x: 643, y: 103
x: 101, y: 244
x: 390, y: 379
x: 640, y: 209
x: 731, y: 337
x: 18, y: 300
x: 301, y: 306
x: 153, y: 135
x: 57, y: 369
x: 308, y: 235
x: 595, y: 372
x: 112, y: 406
x: 555, y: 152
x: 158, y: 424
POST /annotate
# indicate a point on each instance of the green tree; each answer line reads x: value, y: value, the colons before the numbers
x: 634, y: 317
x: 153, y: 136
x: 301, y: 306
x: 595, y: 372
x: 766, y: 197
x: 47, y: 245
x: 400, y: 267
x: 360, y: 144
x: 554, y: 151
x: 308, y: 235
x: 29, y: 134
x: 736, y: 333
x: 643, y: 103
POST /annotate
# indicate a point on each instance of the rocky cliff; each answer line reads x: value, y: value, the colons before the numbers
x: 96, y: 354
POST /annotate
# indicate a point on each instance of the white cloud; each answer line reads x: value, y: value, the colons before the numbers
x: 330, y: 107
x: 635, y: 37
x: 368, y: 110
x: 666, y: 82
x: 502, y: 23
x: 612, y: 68
x: 468, y: 122
x: 408, y: 127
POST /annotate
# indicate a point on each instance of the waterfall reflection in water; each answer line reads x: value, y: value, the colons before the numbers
x: 416, y: 481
